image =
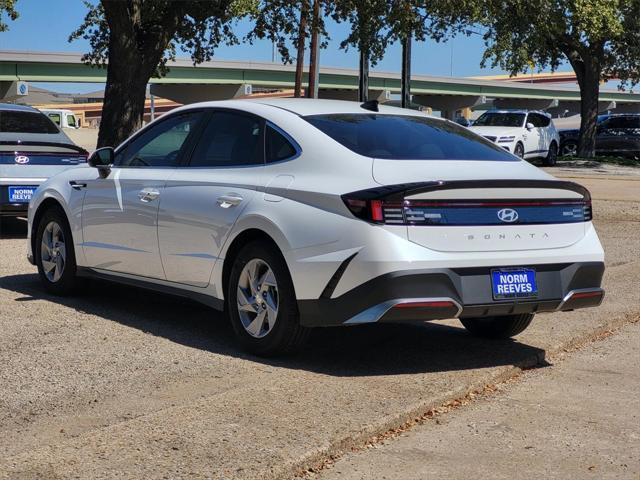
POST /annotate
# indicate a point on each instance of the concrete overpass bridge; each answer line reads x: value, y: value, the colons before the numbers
x: 226, y: 79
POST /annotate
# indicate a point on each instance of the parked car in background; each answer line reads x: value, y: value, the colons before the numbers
x: 297, y: 213
x: 62, y: 118
x: 617, y: 134
x: 527, y: 134
x: 32, y: 149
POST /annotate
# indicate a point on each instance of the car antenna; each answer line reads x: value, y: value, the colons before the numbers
x: 370, y: 105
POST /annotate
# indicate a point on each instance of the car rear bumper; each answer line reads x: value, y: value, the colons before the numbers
x: 421, y: 295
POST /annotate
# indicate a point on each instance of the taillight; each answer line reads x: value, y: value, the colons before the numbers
x: 382, y: 207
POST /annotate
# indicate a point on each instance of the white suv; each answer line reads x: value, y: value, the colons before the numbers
x: 525, y: 134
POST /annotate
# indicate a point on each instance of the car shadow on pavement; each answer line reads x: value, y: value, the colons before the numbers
x: 13, y: 228
x: 368, y: 350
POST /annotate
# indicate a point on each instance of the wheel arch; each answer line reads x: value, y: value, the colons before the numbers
x: 46, y: 204
x: 237, y: 243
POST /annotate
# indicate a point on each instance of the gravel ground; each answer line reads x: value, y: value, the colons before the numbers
x: 123, y: 383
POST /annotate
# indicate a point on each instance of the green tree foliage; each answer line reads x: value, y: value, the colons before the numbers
x: 599, y: 38
x: 136, y: 38
x: 8, y: 8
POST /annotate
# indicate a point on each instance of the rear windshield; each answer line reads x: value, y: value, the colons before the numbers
x: 25, y: 122
x: 399, y: 137
x: 495, y: 119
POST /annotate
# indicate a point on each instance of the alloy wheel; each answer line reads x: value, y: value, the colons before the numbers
x: 569, y: 149
x: 257, y: 298
x: 519, y: 151
x: 53, y: 252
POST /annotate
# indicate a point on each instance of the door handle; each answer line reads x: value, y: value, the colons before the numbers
x: 77, y: 185
x: 147, y: 195
x: 231, y: 200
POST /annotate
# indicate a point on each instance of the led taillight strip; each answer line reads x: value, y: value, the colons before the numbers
x: 389, y: 204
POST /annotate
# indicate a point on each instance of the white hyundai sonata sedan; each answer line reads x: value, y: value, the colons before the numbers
x: 292, y: 213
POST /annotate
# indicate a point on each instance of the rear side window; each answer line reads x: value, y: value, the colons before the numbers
x: 25, y: 122
x: 278, y: 147
x: 399, y: 137
x: 539, y: 121
x: 229, y: 140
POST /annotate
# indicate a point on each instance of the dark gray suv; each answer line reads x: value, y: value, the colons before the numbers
x: 617, y: 135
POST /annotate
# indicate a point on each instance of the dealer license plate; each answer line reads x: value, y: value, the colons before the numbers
x: 514, y: 283
x: 21, y: 194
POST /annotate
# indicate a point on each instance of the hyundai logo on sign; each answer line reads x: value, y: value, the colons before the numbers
x: 508, y: 215
x: 21, y: 159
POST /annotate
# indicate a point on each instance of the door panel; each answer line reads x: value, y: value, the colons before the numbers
x: 119, y: 221
x: 195, y: 217
x: 534, y: 138
x: 120, y: 212
x: 203, y: 200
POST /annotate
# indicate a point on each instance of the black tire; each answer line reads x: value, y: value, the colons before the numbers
x: 569, y: 148
x: 67, y: 283
x: 552, y: 155
x: 287, y: 335
x: 498, y: 327
x: 518, y: 151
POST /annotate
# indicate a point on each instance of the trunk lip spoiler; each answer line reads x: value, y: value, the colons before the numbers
x: 70, y: 146
x: 397, y: 192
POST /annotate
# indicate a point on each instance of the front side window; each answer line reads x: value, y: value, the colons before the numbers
x: 161, y: 144
x: 277, y: 147
x: 55, y: 117
x: 400, y: 137
x: 229, y: 140
x: 500, y: 119
x: 71, y: 121
x: 26, y: 122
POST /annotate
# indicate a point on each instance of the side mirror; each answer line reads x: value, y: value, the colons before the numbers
x: 102, y: 159
x: 530, y: 126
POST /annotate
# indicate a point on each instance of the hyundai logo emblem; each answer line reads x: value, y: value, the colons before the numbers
x: 508, y: 215
x: 21, y: 159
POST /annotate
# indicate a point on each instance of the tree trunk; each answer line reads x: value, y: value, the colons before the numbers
x: 124, y: 99
x: 134, y: 55
x: 589, y: 95
x: 313, y: 57
x: 587, y: 71
x: 302, y: 36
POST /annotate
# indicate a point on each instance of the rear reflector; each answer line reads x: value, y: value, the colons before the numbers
x: 577, y: 295
x: 582, y: 298
x: 437, y: 304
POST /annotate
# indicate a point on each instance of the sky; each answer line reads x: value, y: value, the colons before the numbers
x: 45, y: 25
